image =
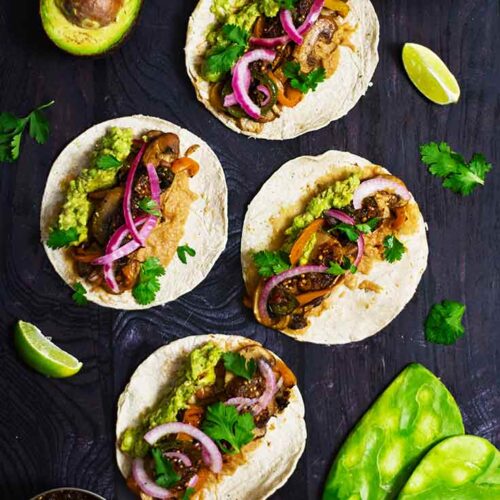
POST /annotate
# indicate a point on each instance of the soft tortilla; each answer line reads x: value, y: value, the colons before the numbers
x: 267, y: 466
x: 332, y: 99
x: 346, y: 315
x: 205, y: 229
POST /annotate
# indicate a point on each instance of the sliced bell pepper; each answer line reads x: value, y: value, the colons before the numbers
x: 305, y: 298
x: 289, y: 97
x: 192, y: 416
x: 185, y: 163
x: 300, y: 243
x: 338, y: 6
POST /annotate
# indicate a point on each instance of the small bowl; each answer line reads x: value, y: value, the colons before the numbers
x: 84, y: 495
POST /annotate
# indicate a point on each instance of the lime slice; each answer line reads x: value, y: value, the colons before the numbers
x: 430, y: 74
x: 41, y: 354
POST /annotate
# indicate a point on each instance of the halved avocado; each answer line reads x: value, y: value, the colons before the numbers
x: 88, y: 27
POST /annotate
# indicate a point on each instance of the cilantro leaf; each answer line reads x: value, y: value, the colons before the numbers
x: 349, y: 230
x: 230, y: 430
x: 444, y: 322
x: 236, y: 34
x: 369, y: 226
x: 288, y: 4
x: 12, y: 128
x: 188, y: 493
x: 183, y: 250
x: 337, y: 270
x: 393, y: 249
x: 239, y: 365
x: 148, y: 284
x: 149, y: 206
x: 165, y: 475
x: 303, y: 81
x: 222, y: 57
x: 457, y: 175
x: 270, y: 263
x: 107, y: 162
x: 80, y: 295
x: 59, y: 238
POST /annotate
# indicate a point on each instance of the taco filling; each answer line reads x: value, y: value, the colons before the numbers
x: 343, y: 231
x: 124, y: 213
x: 264, y: 55
x: 220, y: 406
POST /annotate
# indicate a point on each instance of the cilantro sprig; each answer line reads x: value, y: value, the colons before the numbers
x: 352, y: 232
x: 59, y: 238
x: 148, y: 284
x: 444, y: 322
x: 165, y: 475
x: 80, y: 294
x: 393, y: 249
x: 458, y: 175
x: 339, y: 269
x: 239, y: 365
x: 107, y: 162
x: 288, y: 4
x: 149, y: 206
x: 12, y: 129
x: 221, y: 58
x: 183, y: 251
x: 230, y: 430
x: 188, y: 493
x: 270, y: 263
x: 303, y: 81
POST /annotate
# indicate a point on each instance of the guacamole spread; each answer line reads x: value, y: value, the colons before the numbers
x: 236, y: 13
x: 338, y: 195
x: 199, y: 372
x: 77, y: 208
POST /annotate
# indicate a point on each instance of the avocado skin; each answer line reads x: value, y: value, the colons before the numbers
x: 99, y: 50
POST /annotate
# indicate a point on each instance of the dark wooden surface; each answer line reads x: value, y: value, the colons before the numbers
x: 61, y: 432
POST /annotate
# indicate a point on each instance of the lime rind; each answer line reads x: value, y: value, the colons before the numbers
x: 428, y: 72
x: 41, y: 354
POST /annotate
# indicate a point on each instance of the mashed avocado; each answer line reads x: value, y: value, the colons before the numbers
x: 199, y: 372
x: 304, y: 259
x: 239, y: 13
x: 337, y: 195
x: 77, y: 208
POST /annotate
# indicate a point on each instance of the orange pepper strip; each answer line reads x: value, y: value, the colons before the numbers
x: 291, y: 97
x: 186, y: 163
x: 305, y: 298
x: 192, y: 416
x: 400, y: 218
x: 299, y: 245
x: 339, y: 6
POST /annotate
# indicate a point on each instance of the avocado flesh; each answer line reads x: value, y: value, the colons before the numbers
x: 87, y: 41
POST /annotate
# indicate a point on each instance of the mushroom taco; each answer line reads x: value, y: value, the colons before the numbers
x: 275, y: 69
x: 134, y: 213
x: 333, y: 247
x: 210, y: 416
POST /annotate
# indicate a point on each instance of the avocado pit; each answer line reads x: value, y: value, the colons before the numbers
x: 91, y: 13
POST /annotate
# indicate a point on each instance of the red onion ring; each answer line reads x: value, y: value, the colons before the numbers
x: 230, y: 100
x: 129, y: 247
x: 341, y: 216
x: 113, y: 245
x: 157, y: 433
x: 347, y: 219
x: 179, y: 456
x: 193, y: 481
x: 288, y: 25
x: 241, y: 403
x: 372, y: 186
x: 240, y: 79
x: 361, y: 249
x: 311, y: 18
x: 154, y: 183
x: 146, y: 484
x: 269, y: 43
x: 266, y: 92
x: 279, y: 278
x: 127, y: 197
x: 270, y: 390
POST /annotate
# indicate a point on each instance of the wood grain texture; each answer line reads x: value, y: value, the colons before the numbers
x: 55, y: 433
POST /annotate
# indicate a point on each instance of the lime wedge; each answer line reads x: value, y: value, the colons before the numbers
x: 41, y: 354
x: 430, y: 74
